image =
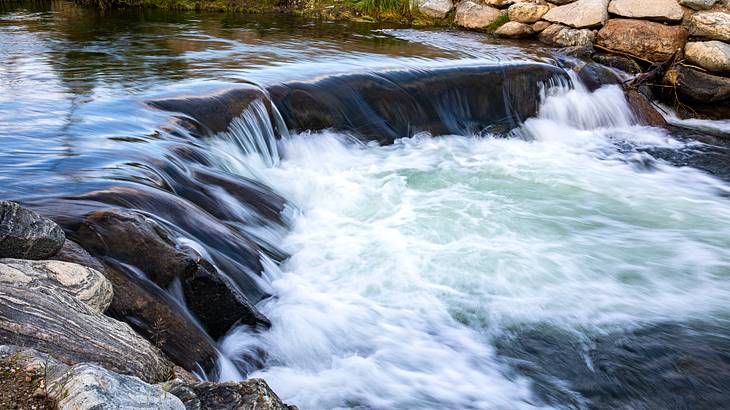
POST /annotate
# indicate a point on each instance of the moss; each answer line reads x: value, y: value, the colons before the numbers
x: 499, y: 22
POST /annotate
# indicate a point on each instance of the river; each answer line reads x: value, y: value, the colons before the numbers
x: 577, y: 261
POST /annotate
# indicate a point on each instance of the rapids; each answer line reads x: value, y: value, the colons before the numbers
x: 408, y: 219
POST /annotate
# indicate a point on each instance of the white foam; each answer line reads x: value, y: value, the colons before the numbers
x: 408, y: 259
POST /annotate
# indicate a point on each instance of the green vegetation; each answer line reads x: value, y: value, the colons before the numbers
x: 499, y: 22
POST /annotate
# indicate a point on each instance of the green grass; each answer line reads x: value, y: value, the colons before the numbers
x: 499, y: 22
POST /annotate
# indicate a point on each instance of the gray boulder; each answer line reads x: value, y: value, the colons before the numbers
x: 88, y: 386
x: 560, y: 35
x: 698, y: 4
x: 711, y: 55
x: 52, y: 321
x: 713, y: 25
x: 434, y: 8
x: 248, y: 394
x: 85, y: 284
x: 581, y: 14
x: 475, y: 15
x: 660, y: 10
x: 27, y: 235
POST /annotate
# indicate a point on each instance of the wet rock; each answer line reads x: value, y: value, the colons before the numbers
x: 697, y: 86
x: 139, y: 241
x: 580, y: 14
x: 514, y: 29
x: 248, y: 394
x: 698, y: 4
x: 652, y: 41
x: 714, y: 25
x: 151, y: 311
x: 711, y: 55
x: 659, y: 10
x: 472, y: 14
x: 643, y: 110
x: 595, y: 76
x: 160, y: 319
x: 560, y: 35
x: 52, y: 321
x: 87, y: 386
x: 85, y: 284
x: 25, y: 234
x: 618, y: 62
x: 527, y: 12
x: 434, y: 8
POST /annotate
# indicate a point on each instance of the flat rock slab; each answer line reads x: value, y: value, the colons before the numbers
x: 660, y: 10
x: 85, y: 284
x: 649, y: 40
x: 580, y: 14
x: 51, y: 321
x: 27, y: 235
x: 714, y: 25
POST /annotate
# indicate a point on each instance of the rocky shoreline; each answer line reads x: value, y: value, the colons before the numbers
x: 57, y: 330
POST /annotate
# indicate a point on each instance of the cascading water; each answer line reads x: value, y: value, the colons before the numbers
x: 411, y: 261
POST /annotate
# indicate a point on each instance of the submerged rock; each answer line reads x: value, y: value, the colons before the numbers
x: 581, y: 14
x: 560, y: 35
x: 714, y: 25
x: 475, y: 15
x: 660, y: 10
x: 25, y: 234
x: 649, y: 40
x: 711, y: 55
x: 248, y: 394
x: 50, y: 320
x: 83, y: 283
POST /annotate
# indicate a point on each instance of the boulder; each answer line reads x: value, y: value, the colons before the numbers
x: 527, y: 12
x: 500, y: 4
x: 559, y: 35
x: 698, y: 4
x: 514, y: 29
x: 580, y: 14
x: 540, y: 26
x: 713, y: 25
x: 434, y: 8
x: 85, y: 284
x: 248, y: 394
x: 50, y: 320
x: 659, y: 10
x: 474, y: 15
x: 652, y: 41
x: 561, y: 2
x: 136, y: 240
x: 711, y: 55
x: 697, y: 86
x: 25, y: 234
x: 88, y: 386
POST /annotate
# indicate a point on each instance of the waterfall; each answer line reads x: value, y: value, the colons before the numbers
x: 254, y: 134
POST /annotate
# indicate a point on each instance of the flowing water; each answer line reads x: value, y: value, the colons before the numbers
x: 578, y: 261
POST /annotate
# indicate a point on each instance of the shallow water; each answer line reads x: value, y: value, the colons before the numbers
x: 580, y: 261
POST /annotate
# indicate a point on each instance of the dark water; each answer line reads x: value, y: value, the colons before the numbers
x: 77, y: 134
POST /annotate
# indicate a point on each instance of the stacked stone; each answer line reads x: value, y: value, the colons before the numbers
x: 697, y: 30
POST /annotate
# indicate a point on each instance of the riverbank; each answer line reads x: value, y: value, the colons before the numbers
x: 690, y: 36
